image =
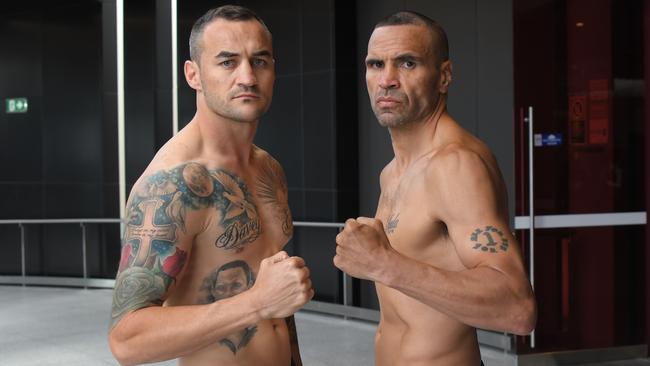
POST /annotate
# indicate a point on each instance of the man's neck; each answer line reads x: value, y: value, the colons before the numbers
x: 416, y: 139
x: 226, y: 138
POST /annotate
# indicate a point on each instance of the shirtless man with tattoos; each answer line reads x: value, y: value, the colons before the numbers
x: 202, y: 276
x: 439, y: 248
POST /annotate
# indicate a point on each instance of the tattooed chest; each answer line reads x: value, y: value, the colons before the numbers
x: 169, y: 200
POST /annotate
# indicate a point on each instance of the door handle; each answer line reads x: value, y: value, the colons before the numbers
x: 531, y: 208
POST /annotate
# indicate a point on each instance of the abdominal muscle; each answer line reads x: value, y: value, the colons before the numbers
x: 411, y: 333
x: 269, y: 347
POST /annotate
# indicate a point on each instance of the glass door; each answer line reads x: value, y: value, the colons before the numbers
x: 580, y: 148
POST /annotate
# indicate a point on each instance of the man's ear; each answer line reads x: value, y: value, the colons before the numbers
x: 446, y: 72
x: 192, y: 76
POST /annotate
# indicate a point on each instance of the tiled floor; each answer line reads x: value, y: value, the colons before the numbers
x: 45, y: 326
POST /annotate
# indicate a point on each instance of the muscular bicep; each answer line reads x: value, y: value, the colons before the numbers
x: 471, y: 210
x: 153, y: 255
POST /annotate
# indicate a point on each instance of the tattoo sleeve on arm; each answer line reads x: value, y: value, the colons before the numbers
x: 156, y: 220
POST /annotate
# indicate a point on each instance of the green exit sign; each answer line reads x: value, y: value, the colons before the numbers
x: 16, y: 105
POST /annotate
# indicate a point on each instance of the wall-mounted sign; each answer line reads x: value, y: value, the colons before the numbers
x: 547, y: 139
x: 16, y: 105
x: 577, y: 119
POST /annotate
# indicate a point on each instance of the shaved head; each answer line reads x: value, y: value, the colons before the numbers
x: 232, y: 13
x: 438, y: 35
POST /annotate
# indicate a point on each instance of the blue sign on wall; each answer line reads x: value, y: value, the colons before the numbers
x: 548, y: 139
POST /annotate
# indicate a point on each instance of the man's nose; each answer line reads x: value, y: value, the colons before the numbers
x: 246, y: 75
x: 388, y: 78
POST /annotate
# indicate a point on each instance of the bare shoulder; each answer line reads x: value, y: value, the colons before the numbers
x: 463, y: 179
x: 455, y: 164
x: 267, y: 160
x: 386, y: 173
x: 179, y: 149
x: 270, y: 174
x: 272, y: 189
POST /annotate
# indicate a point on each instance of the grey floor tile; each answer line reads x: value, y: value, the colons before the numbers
x: 46, y: 326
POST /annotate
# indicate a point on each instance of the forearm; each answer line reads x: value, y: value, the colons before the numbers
x: 161, y: 333
x: 481, y: 297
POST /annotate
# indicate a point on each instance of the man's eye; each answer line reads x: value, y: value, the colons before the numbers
x: 409, y: 64
x: 228, y: 63
x: 375, y: 64
x: 258, y: 62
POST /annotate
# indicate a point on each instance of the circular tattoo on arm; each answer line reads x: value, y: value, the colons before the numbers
x: 489, y: 240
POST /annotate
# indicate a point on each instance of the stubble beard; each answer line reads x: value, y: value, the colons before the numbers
x: 390, y: 120
x: 225, y: 107
x: 405, y: 114
x: 392, y: 117
x: 397, y: 116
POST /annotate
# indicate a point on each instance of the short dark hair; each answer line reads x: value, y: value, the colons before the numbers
x: 238, y: 264
x: 441, y: 44
x: 234, y: 13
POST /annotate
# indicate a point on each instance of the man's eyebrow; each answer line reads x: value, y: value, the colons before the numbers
x: 227, y: 54
x: 370, y: 60
x: 262, y: 53
x: 407, y: 57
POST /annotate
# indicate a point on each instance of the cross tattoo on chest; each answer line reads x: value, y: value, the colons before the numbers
x: 147, y: 234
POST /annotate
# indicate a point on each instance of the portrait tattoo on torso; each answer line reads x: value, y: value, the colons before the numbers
x: 229, y: 280
x: 272, y: 189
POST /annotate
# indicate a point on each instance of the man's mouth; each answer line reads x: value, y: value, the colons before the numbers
x: 387, y: 102
x: 246, y: 96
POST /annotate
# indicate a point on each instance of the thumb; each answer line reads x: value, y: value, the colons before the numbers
x: 377, y: 224
x: 278, y: 257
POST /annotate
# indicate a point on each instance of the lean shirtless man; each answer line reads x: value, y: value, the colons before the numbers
x: 439, y: 248
x: 203, y: 277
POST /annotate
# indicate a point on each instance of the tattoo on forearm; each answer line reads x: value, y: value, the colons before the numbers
x: 392, y: 222
x: 229, y: 280
x: 490, y: 240
x: 272, y: 189
x: 156, y: 214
